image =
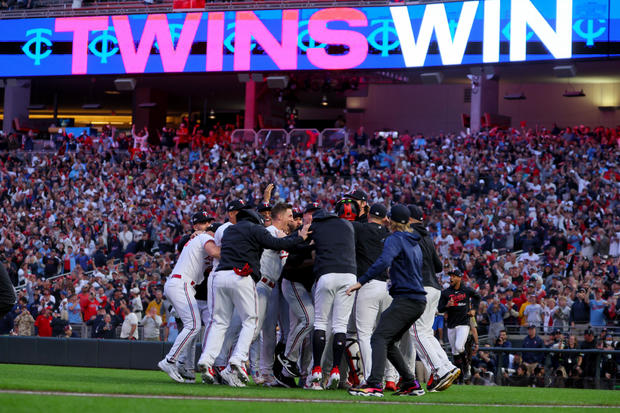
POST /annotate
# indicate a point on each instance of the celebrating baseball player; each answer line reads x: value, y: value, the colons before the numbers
x: 179, y: 289
x: 234, y: 289
x: 459, y: 303
x: 430, y: 351
x: 335, y: 268
x: 402, y: 254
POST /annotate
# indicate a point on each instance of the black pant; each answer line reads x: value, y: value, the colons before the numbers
x: 7, y: 292
x: 394, y: 322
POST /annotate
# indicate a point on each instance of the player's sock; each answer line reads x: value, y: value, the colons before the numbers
x: 338, y: 346
x: 318, y: 345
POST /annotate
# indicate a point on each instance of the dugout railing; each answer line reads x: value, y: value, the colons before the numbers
x: 501, y: 375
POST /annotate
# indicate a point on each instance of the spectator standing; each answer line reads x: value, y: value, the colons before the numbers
x: 597, y: 309
x: 561, y: 314
x: 58, y: 325
x: 580, y: 310
x: 532, y: 359
x: 43, y: 323
x: 24, y: 323
x: 74, y: 310
x: 533, y: 313
x: 158, y: 304
x: 129, y: 329
x: 151, y: 322
x: 106, y: 328
x: 497, y: 312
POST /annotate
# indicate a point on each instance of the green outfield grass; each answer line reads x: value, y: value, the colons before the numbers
x: 138, y: 382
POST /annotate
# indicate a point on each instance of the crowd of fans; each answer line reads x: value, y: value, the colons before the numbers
x: 531, y: 217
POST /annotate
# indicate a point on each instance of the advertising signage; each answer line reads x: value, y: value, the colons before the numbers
x: 394, y: 37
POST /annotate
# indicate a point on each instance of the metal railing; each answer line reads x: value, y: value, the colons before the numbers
x: 500, y: 379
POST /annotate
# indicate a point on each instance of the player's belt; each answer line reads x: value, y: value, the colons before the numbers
x: 268, y: 282
x: 179, y: 276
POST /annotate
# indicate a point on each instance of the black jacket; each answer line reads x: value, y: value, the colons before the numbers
x: 369, y: 238
x: 7, y: 292
x: 431, y: 264
x: 299, y: 266
x: 334, y: 239
x: 242, y: 246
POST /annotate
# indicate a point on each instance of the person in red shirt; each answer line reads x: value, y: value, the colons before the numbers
x: 83, y: 299
x: 43, y: 323
x: 91, y: 307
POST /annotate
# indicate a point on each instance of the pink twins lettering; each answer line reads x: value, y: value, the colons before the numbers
x: 284, y: 53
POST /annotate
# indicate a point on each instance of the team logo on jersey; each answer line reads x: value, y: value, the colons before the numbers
x: 245, y: 271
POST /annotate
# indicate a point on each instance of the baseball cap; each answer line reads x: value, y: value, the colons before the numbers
x: 455, y: 272
x: 236, y: 205
x: 201, y: 217
x: 264, y: 206
x: 250, y: 215
x: 297, y: 212
x: 589, y: 331
x: 378, y: 210
x: 400, y: 213
x: 214, y: 226
x: 358, y: 194
x: 312, y: 206
x: 416, y: 212
x: 531, y: 326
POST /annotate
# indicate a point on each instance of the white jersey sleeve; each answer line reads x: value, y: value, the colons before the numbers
x: 271, y: 262
x: 217, y: 238
x: 192, y: 261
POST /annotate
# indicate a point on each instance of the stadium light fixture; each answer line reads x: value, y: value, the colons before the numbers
x: 324, y: 101
x: 211, y: 114
x: 515, y: 96
x: 574, y: 94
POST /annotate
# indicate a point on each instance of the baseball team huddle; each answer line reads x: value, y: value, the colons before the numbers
x: 339, y: 300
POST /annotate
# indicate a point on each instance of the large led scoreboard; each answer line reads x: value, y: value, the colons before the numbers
x: 391, y: 37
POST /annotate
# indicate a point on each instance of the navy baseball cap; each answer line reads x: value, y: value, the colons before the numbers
x: 201, y: 217
x: 236, y: 205
x: 378, y: 210
x: 416, y: 212
x: 358, y: 194
x: 311, y: 207
x: 264, y: 206
x: 297, y: 212
x: 400, y: 213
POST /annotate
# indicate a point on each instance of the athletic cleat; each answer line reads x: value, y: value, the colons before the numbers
x: 283, y: 380
x: 433, y: 382
x: 189, y: 376
x: 288, y: 365
x: 411, y: 388
x: 231, y: 378
x: 258, y: 378
x: 312, y: 382
x: 366, y: 391
x: 208, y: 376
x: 171, y: 370
x: 334, y: 379
x: 390, y: 386
x: 452, y: 376
x: 241, y: 373
x: 317, y: 375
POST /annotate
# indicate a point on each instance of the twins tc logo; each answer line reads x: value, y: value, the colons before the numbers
x: 104, y: 45
x: 38, y: 47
